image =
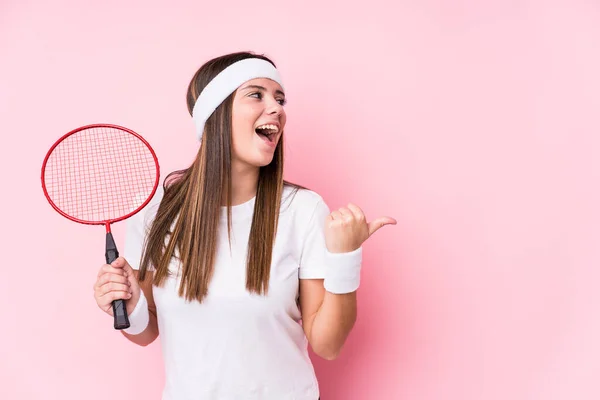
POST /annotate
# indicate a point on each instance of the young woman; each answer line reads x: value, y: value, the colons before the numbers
x: 236, y: 268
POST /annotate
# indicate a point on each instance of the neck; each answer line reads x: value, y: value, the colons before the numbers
x: 244, y: 183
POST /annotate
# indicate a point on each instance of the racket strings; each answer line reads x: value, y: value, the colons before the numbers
x: 100, y: 173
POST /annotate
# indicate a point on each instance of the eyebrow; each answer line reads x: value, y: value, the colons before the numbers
x: 262, y: 88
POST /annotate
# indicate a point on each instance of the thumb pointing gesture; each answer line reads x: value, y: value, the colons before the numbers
x: 346, y: 228
x: 379, y: 223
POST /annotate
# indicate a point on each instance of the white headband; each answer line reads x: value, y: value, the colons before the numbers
x: 227, y: 82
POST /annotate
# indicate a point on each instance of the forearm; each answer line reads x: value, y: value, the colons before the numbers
x: 332, y: 323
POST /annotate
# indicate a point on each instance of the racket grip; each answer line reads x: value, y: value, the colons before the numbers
x: 121, y: 320
x: 120, y: 313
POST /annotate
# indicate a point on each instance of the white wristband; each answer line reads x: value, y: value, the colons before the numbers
x: 343, y: 271
x: 140, y: 316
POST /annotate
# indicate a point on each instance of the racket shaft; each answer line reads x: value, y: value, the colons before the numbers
x: 121, y: 320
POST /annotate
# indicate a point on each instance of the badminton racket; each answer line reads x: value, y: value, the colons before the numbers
x: 100, y: 174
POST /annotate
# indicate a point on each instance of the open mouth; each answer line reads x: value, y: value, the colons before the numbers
x: 267, y: 132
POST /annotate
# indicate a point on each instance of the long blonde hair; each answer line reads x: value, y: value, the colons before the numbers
x: 192, y: 199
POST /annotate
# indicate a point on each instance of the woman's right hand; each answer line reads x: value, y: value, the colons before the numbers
x: 116, y: 281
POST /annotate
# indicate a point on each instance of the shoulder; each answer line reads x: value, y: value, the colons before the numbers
x: 137, y: 227
x: 146, y: 215
x: 303, y: 202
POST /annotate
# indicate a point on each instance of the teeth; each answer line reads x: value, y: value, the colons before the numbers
x: 270, y: 127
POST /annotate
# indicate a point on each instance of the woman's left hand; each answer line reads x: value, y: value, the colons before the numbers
x: 346, y: 229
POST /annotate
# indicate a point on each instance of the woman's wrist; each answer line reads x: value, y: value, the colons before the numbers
x: 343, y: 271
x: 139, y: 317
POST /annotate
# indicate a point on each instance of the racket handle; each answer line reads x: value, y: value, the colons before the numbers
x: 119, y: 309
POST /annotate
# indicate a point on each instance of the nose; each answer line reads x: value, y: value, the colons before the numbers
x: 274, y: 108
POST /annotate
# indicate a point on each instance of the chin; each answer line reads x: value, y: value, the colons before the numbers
x: 263, y: 159
x: 264, y: 163
x: 259, y: 161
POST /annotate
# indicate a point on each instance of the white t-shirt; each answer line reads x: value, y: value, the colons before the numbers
x: 237, y: 345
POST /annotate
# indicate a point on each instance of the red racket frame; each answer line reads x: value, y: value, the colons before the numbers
x: 121, y: 320
x: 108, y: 221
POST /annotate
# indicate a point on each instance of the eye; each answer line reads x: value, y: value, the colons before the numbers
x: 259, y: 96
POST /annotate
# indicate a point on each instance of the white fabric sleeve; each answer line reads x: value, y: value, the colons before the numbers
x: 341, y: 271
x: 135, y: 235
x: 137, y: 226
x: 314, y: 250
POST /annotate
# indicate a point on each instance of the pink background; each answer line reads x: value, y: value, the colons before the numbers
x: 475, y: 124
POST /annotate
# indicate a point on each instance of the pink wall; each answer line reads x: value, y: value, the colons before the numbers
x: 475, y: 124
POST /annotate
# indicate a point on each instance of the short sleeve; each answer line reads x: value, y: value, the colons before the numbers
x: 313, y: 256
x: 134, y: 240
x: 137, y: 227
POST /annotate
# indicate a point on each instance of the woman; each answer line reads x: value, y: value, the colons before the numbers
x: 236, y: 268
